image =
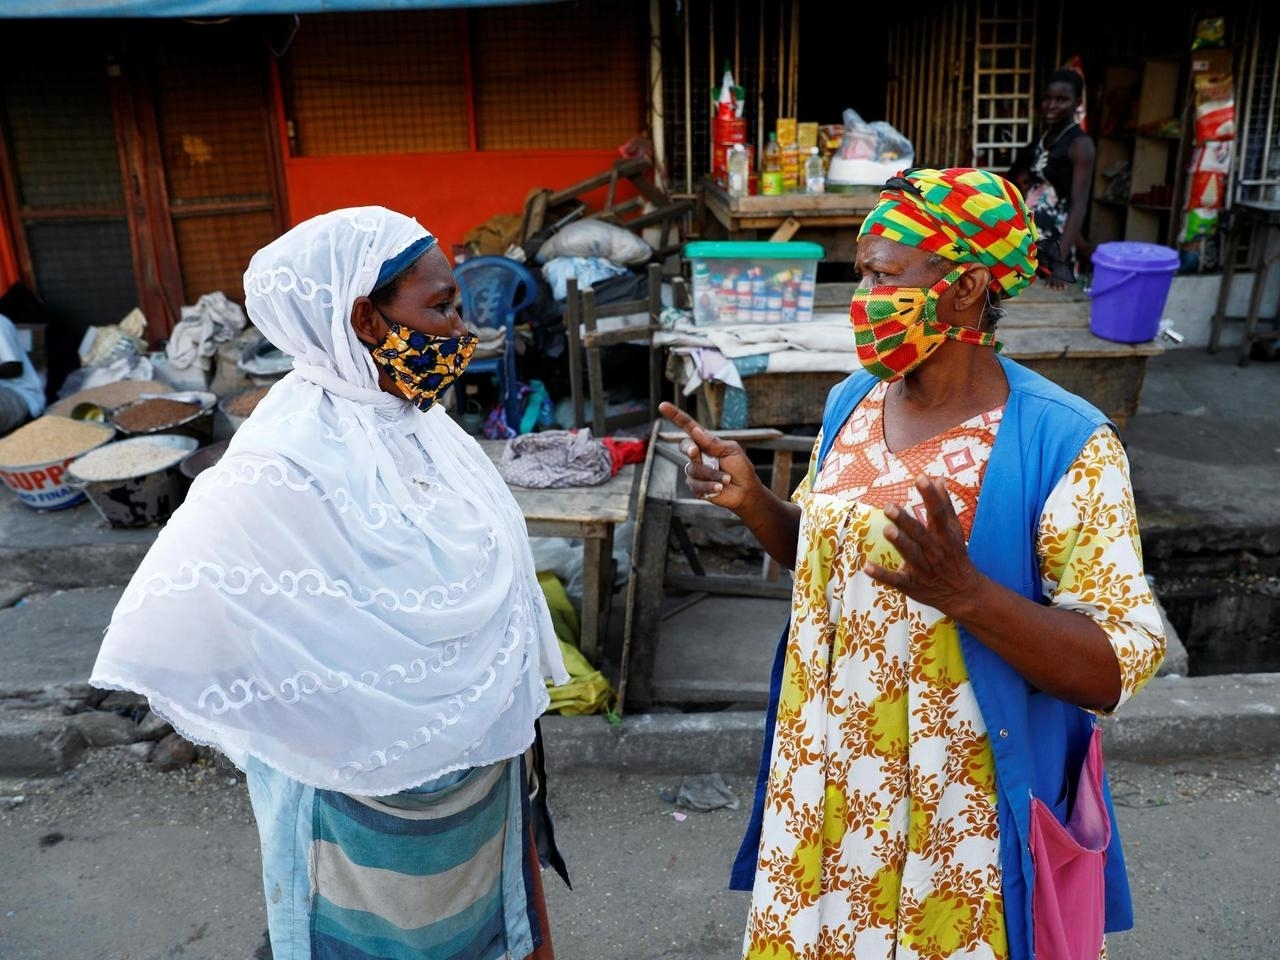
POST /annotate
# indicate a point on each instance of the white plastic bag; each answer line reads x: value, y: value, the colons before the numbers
x: 595, y: 238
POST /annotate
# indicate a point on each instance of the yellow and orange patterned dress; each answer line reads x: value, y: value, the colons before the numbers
x: 880, y: 836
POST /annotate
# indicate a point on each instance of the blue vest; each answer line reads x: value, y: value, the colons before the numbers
x: 1038, y: 741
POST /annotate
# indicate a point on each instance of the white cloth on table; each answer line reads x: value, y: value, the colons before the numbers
x: 750, y: 339
x: 707, y: 352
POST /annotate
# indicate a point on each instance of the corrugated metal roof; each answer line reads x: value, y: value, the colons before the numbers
x: 53, y: 9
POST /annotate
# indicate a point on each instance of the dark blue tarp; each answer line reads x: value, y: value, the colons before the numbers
x: 45, y: 9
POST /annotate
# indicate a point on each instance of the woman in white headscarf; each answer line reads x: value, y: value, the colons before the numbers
x: 346, y: 605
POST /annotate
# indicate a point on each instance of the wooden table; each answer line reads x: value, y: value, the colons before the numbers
x: 1264, y: 219
x: 831, y: 219
x: 1045, y: 330
x: 589, y: 514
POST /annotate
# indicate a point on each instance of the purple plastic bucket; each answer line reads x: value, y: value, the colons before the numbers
x: 1130, y: 285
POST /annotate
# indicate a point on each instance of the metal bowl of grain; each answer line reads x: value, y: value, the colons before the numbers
x: 198, y: 461
x: 35, y: 457
x: 236, y: 407
x: 108, y: 396
x: 187, y: 413
x: 137, y: 481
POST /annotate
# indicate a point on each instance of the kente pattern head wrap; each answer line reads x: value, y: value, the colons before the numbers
x: 348, y: 595
x: 964, y: 215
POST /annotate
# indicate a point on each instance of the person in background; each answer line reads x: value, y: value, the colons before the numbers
x: 1055, y: 172
x: 346, y: 606
x: 21, y: 389
x: 969, y: 598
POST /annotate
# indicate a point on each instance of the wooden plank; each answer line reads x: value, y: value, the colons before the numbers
x: 748, y: 435
x: 597, y: 591
x: 837, y: 295
x: 1040, y: 329
x: 621, y: 168
x: 573, y: 529
x: 728, y: 586
x: 580, y: 505
x: 635, y: 579
x: 1042, y: 343
x: 780, y: 485
x: 649, y: 560
x: 786, y: 230
x: 1114, y: 386
x: 571, y: 511
x: 858, y: 203
x: 625, y: 334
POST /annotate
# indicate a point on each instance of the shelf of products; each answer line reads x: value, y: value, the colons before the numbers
x: 1138, y: 152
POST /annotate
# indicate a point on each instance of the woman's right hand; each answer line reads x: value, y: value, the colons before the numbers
x: 718, y: 470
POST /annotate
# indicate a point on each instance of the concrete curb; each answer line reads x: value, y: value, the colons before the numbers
x: 1171, y: 717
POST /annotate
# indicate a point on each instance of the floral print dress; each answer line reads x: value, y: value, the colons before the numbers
x: 880, y: 836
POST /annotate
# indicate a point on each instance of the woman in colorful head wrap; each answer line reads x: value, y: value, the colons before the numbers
x: 969, y: 596
x: 346, y: 605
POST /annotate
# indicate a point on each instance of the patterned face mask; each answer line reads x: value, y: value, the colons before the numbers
x: 421, y: 366
x: 896, y: 328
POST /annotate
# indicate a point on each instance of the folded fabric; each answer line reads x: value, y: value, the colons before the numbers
x: 556, y: 458
x: 624, y: 450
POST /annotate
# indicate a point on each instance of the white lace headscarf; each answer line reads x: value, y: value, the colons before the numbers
x: 348, y: 595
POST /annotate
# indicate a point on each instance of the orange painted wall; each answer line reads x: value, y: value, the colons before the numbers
x: 448, y: 193
x: 8, y: 258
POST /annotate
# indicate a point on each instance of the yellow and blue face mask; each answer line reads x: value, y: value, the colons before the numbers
x: 421, y: 366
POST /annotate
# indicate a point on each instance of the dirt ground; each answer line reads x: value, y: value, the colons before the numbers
x: 116, y: 860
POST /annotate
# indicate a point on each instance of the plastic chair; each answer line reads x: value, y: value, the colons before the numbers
x: 494, y: 290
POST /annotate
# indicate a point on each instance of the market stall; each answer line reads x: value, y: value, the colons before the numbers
x: 831, y: 219
x: 758, y: 375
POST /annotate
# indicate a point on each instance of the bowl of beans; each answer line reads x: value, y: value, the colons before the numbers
x: 35, y: 457
x: 236, y: 407
x: 188, y: 413
x: 137, y: 481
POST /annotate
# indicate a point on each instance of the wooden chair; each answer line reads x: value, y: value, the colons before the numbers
x: 663, y: 511
x: 587, y: 341
x: 672, y: 216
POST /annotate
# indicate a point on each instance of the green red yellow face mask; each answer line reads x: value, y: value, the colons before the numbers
x: 896, y: 328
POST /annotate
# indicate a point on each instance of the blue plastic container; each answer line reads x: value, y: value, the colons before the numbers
x: 1130, y: 286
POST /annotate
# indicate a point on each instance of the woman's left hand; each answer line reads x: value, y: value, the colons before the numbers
x: 936, y: 568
